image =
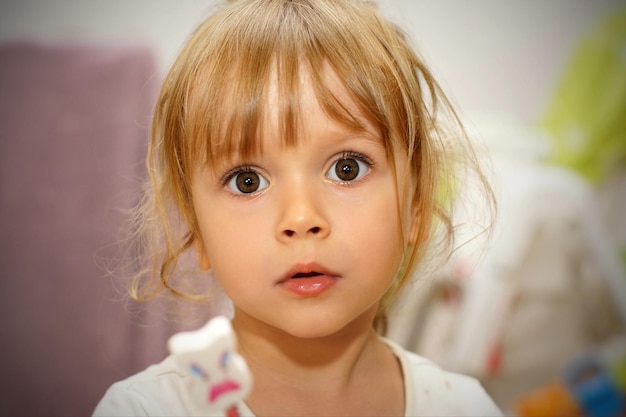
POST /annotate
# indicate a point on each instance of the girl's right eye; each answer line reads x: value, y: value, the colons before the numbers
x: 245, y: 181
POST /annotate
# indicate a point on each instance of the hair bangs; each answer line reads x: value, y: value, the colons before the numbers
x: 250, y: 86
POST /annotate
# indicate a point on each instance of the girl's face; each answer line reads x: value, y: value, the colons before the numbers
x: 306, y: 238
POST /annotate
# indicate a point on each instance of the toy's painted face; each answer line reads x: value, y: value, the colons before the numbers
x: 218, y: 377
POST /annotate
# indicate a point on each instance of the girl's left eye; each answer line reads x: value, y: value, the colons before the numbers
x: 349, y: 168
x: 245, y: 181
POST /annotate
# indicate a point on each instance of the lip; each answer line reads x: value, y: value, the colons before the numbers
x: 308, y: 279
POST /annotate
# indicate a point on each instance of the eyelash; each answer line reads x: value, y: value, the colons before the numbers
x: 355, y: 155
x: 236, y: 171
x: 228, y: 176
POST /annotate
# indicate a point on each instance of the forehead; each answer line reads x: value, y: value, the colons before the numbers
x: 282, y: 109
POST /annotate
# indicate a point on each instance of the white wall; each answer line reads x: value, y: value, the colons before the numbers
x: 491, y: 56
x: 499, y: 55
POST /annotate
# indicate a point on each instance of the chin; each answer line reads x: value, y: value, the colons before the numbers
x: 322, y: 326
x: 311, y: 333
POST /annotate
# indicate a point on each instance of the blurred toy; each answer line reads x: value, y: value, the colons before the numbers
x: 218, y: 377
x: 612, y: 355
x: 551, y: 400
x: 591, y: 386
x: 591, y: 383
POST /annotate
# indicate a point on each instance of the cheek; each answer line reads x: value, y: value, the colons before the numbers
x: 223, y: 224
x: 375, y: 232
x: 235, y: 241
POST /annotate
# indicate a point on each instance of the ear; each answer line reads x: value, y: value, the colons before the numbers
x: 201, y: 257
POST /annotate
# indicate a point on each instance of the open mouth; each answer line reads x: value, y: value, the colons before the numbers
x: 308, y: 280
x: 306, y: 275
x: 307, y: 270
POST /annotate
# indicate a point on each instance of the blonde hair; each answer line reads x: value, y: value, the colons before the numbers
x: 213, y: 100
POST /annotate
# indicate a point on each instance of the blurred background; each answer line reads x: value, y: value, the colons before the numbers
x: 537, y: 313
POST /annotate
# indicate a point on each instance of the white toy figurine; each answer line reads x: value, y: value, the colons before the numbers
x: 219, y: 377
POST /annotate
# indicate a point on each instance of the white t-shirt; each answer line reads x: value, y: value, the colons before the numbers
x: 429, y: 391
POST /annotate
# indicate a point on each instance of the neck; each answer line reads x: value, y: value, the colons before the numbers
x: 269, y: 349
x: 291, y: 374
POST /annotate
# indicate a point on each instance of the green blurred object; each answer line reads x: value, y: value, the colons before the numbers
x: 586, y: 119
x: 618, y: 374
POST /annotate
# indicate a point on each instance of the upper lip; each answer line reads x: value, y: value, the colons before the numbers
x: 303, y: 270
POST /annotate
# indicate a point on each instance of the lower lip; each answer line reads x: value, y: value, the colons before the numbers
x: 311, y: 286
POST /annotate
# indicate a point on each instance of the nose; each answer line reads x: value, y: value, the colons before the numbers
x: 301, y: 216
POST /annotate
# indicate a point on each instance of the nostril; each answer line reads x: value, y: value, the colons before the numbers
x: 313, y: 231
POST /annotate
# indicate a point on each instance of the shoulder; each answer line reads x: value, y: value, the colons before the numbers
x: 431, y: 390
x: 155, y: 391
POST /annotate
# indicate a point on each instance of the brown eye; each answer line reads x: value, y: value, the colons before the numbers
x: 347, y: 169
x: 246, y: 181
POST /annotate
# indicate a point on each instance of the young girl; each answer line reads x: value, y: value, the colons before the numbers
x: 296, y: 151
